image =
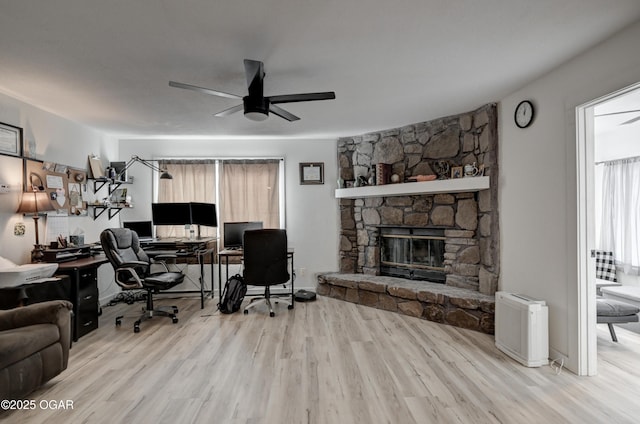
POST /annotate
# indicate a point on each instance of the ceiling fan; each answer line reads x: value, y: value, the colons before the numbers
x: 630, y: 121
x: 256, y: 106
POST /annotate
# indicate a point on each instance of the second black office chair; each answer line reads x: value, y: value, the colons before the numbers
x: 265, y: 264
x: 133, y: 271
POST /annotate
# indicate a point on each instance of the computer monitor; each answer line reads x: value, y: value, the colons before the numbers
x: 144, y: 229
x: 171, y: 213
x: 234, y: 231
x: 204, y: 214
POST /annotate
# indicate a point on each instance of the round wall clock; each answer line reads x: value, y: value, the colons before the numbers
x: 524, y: 113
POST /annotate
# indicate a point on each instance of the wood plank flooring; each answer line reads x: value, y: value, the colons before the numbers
x: 327, y: 361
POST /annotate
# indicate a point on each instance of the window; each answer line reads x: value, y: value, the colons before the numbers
x: 242, y: 189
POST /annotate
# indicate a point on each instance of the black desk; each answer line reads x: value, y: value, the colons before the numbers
x: 238, y: 253
x: 186, y: 249
x: 79, y: 285
x: 84, y: 292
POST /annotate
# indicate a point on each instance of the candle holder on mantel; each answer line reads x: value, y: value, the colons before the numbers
x: 34, y: 203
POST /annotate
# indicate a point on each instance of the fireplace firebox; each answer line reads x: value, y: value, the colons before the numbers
x: 414, y: 253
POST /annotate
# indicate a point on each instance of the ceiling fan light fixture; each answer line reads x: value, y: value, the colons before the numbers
x: 256, y: 109
x: 256, y: 116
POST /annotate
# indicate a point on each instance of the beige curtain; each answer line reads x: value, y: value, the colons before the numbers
x: 193, y: 181
x: 249, y: 191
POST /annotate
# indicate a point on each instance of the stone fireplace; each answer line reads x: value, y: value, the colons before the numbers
x: 468, y: 221
x: 464, y: 251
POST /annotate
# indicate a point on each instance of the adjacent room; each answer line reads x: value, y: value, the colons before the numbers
x: 275, y: 211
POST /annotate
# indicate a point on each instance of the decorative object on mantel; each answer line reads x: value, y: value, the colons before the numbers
x: 35, y: 202
x: 422, y: 178
x: 442, y: 169
x: 470, y: 170
x: 456, y: 172
x: 395, y: 179
x: 312, y: 173
x: 383, y: 173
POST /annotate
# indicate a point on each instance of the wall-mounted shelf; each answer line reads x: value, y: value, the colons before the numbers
x: 100, y: 209
x: 456, y: 185
x: 114, y: 184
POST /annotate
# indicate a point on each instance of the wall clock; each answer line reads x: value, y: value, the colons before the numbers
x: 524, y: 113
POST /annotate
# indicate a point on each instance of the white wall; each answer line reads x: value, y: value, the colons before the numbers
x: 311, y: 210
x: 54, y: 139
x: 538, y: 191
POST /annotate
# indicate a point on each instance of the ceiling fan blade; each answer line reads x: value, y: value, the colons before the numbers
x: 229, y: 111
x: 305, y: 97
x: 617, y: 113
x: 203, y: 90
x: 283, y: 113
x: 254, y: 72
x: 631, y: 121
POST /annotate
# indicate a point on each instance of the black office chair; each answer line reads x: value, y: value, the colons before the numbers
x: 133, y: 271
x: 265, y: 264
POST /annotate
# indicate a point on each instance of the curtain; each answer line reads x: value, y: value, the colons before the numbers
x: 193, y: 181
x: 620, y: 225
x: 249, y: 192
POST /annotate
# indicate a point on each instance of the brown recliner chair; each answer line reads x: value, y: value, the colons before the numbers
x: 34, y: 346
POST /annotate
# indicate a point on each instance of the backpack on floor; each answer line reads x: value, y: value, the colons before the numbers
x: 232, y: 295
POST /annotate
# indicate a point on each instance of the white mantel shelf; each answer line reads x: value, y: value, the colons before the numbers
x: 457, y: 185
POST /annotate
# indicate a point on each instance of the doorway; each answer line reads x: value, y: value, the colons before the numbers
x: 594, y: 119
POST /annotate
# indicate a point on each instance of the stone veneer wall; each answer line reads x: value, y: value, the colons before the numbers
x: 470, y: 219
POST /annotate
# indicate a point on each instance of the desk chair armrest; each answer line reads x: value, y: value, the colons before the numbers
x: 162, y: 260
x: 127, y: 276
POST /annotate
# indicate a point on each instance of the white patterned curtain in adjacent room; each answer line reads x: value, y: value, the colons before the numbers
x: 620, y: 227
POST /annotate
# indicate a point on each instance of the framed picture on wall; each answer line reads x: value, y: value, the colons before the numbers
x: 10, y: 140
x: 312, y: 173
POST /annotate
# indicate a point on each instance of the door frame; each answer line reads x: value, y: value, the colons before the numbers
x: 585, y: 169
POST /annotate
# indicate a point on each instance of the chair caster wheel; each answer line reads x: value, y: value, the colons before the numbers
x: 136, y: 329
x: 289, y: 306
x: 175, y: 310
x: 272, y: 314
x: 246, y: 312
x: 174, y: 320
x: 118, y: 323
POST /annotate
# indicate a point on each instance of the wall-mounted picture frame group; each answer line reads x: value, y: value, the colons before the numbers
x: 312, y: 173
x: 10, y: 140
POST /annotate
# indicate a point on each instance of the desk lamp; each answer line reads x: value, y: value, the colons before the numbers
x: 35, y: 202
x: 164, y: 175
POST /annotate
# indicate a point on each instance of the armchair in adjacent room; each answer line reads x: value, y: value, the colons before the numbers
x: 266, y: 264
x: 133, y: 271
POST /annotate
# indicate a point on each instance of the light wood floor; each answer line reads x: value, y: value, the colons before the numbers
x: 324, y: 362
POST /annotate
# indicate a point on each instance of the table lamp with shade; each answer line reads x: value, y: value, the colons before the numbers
x: 34, y: 202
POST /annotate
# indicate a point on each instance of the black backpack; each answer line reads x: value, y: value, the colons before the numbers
x: 232, y: 295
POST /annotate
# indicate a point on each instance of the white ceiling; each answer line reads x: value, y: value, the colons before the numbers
x: 107, y: 64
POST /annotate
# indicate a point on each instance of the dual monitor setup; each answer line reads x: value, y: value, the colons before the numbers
x: 192, y: 213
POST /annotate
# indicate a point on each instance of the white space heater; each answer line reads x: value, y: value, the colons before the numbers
x: 522, y: 328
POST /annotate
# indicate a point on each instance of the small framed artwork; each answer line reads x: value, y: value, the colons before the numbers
x: 312, y: 173
x: 456, y: 172
x: 10, y: 140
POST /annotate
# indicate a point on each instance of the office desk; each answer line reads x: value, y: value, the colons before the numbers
x: 186, y: 249
x: 238, y: 253
x: 84, y: 292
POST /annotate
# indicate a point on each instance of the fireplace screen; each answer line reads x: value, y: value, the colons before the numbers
x: 414, y: 253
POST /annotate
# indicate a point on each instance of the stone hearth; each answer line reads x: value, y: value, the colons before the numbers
x: 430, y: 301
